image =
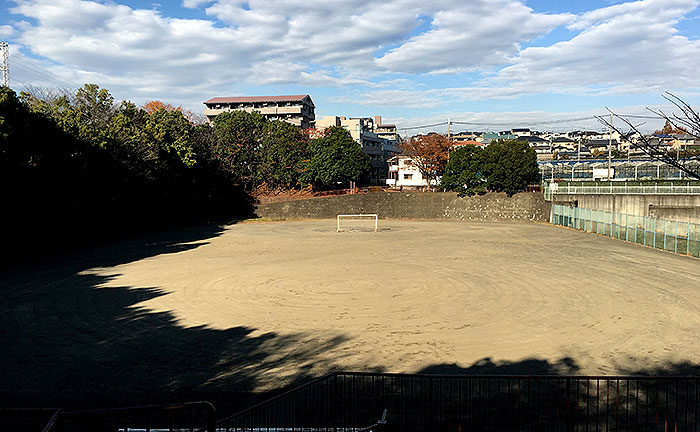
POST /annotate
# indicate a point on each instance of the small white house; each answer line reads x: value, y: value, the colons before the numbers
x: 404, y: 173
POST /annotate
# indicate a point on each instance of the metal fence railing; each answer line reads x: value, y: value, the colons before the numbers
x: 623, y: 170
x: 190, y: 416
x: 622, y: 189
x: 674, y: 236
x: 347, y: 401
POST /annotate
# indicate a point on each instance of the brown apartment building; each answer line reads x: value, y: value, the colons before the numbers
x: 295, y: 109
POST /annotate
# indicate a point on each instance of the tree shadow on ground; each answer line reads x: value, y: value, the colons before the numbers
x: 554, y: 396
x: 487, y: 366
x: 67, y: 341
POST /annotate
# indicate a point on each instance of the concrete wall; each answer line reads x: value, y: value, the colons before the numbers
x: 684, y: 214
x: 666, y: 206
x: 526, y: 206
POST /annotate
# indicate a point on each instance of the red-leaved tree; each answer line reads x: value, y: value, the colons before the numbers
x: 430, y: 154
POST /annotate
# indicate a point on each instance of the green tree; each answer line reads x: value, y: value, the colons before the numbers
x: 464, y: 171
x: 511, y: 166
x: 131, y: 145
x: 85, y: 115
x: 283, y: 150
x: 238, y: 140
x: 169, y: 132
x: 336, y: 159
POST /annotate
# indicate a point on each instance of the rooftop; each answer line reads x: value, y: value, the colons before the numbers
x: 243, y: 99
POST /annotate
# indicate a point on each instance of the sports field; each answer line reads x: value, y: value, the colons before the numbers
x: 209, y: 313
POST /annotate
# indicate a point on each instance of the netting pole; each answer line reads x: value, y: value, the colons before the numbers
x: 675, y: 241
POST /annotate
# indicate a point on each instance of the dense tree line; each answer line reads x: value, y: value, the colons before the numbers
x: 502, y: 166
x: 78, y: 166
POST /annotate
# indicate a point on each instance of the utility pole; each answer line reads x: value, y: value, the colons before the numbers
x: 5, y: 68
x: 449, y: 135
x: 578, y: 156
x: 610, y: 146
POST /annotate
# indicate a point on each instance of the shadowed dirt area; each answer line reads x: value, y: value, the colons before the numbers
x: 230, y: 313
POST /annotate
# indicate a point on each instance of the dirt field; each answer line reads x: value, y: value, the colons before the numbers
x: 211, y: 313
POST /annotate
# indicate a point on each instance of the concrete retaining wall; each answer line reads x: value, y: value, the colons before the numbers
x: 675, y: 207
x: 684, y: 214
x: 526, y: 206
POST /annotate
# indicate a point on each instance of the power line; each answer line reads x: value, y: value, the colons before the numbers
x: 41, y: 73
x: 423, y: 127
x: 530, y: 123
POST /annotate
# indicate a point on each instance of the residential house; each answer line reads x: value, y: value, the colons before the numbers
x: 403, y: 173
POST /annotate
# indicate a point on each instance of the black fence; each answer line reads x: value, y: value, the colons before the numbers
x: 191, y: 416
x: 351, y: 401
x: 355, y: 401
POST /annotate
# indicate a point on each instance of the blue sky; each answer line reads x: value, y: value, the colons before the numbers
x: 522, y: 62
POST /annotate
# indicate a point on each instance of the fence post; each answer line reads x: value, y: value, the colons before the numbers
x: 619, y: 224
x: 664, y: 233
x: 431, y: 423
x: 334, y: 416
x: 567, y: 417
x: 675, y: 241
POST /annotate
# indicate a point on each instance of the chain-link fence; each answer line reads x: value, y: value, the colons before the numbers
x: 674, y: 236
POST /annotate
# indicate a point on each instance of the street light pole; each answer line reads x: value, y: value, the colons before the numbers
x: 610, y: 146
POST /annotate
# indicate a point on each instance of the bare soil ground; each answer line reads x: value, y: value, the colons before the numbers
x: 212, y: 313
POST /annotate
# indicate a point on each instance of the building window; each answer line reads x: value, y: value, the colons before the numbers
x: 408, y: 176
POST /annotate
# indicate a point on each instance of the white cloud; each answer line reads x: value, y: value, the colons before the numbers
x: 142, y: 54
x: 628, y: 48
x: 472, y: 36
x: 6, y: 30
x: 536, y: 120
x: 395, y: 98
x: 193, y: 4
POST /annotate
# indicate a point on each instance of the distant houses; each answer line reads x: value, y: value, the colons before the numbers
x: 380, y: 141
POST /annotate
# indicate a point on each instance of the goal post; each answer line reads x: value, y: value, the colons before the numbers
x: 369, y: 217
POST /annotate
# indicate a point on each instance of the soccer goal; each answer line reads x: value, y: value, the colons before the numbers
x: 358, y: 222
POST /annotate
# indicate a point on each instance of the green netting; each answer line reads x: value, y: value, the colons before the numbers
x: 674, y: 236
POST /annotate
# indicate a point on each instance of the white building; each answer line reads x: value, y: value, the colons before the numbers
x: 403, y: 172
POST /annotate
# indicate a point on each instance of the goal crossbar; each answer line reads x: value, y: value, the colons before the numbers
x: 360, y: 216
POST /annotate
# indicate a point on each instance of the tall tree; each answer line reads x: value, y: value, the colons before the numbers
x: 336, y: 159
x: 169, y: 132
x: 153, y: 106
x: 430, y: 154
x: 669, y: 129
x: 239, y: 135
x: 283, y: 150
x: 510, y: 166
x: 464, y: 172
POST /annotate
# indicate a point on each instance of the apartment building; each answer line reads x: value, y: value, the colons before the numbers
x: 385, y: 130
x: 295, y: 109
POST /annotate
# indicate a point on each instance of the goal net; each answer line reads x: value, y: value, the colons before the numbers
x: 358, y: 222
